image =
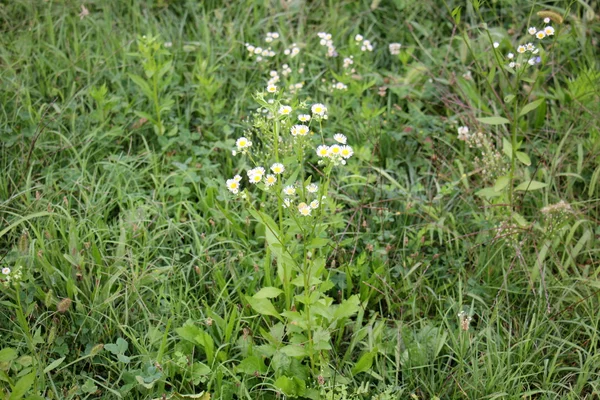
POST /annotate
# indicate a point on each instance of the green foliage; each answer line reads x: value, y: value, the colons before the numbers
x: 434, y: 268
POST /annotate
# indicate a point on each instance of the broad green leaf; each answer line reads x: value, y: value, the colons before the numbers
x: 364, y: 363
x: 291, y: 387
x: 294, y: 350
x: 347, y: 308
x: 530, y: 185
x: 523, y: 157
x: 531, y: 106
x: 268, y: 293
x: 22, y: 386
x: 53, y: 365
x: 501, y: 183
x: 8, y: 354
x: 262, y: 306
x: 252, y: 365
x: 493, y: 120
x: 519, y: 219
x: 508, y: 99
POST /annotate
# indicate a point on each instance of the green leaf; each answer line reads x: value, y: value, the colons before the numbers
x: 22, y: 386
x: 252, y: 365
x: 120, y: 347
x: 268, y: 293
x: 8, y: 354
x: 501, y: 183
x: 530, y: 185
x: 509, y: 98
x: 262, y: 306
x: 347, y: 308
x: 364, y: 363
x: 493, y: 120
x: 53, y: 365
x: 291, y: 387
x: 531, y: 106
x: 507, y: 147
x: 523, y: 157
x: 294, y: 350
x: 488, y: 193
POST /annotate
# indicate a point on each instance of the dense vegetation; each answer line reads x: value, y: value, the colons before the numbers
x: 445, y: 245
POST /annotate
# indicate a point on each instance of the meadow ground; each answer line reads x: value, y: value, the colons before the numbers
x: 347, y: 199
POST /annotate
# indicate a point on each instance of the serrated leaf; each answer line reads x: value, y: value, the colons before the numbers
x: 501, y: 183
x: 268, y: 293
x: 493, y: 120
x: 523, y: 157
x: 347, y: 308
x: 531, y: 106
x: 530, y: 185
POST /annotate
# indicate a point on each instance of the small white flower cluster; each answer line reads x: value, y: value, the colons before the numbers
x: 9, y: 275
x: 295, y: 87
x: 299, y: 130
x: 273, y: 78
x: 259, y: 52
x: 348, y: 61
x: 522, y: 49
x: 292, y: 51
x: 234, y: 185
x: 327, y: 42
x: 255, y: 175
x: 338, y: 86
x: 395, y: 48
x: 271, y: 36
x: 463, y: 133
x: 286, y: 70
x: 547, y: 31
x: 303, y: 208
x: 365, y: 45
x: 336, y: 153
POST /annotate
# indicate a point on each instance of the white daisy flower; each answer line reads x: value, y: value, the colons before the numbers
x: 358, y: 38
x: 271, y: 88
x: 277, y: 168
x: 314, y: 204
x: 521, y: 49
x: 346, y: 151
x: 546, y: 20
x: 233, y: 186
x: 511, y: 65
x: 540, y: 35
x: 299, y: 130
x: 270, y: 180
x: 287, y: 202
x: 237, y: 178
x: 285, y: 110
x: 463, y: 133
x: 304, y: 209
x: 243, y: 143
x: 5, y: 270
x: 304, y: 117
x: 510, y: 56
x: 319, y: 109
x: 340, y: 138
x: 289, y: 190
x: 335, y: 150
x: 549, y: 30
x: 323, y: 151
x: 496, y: 45
x: 532, y: 30
x: 312, y: 188
x: 395, y: 48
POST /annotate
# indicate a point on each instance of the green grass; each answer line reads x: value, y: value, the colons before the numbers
x: 139, y: 267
